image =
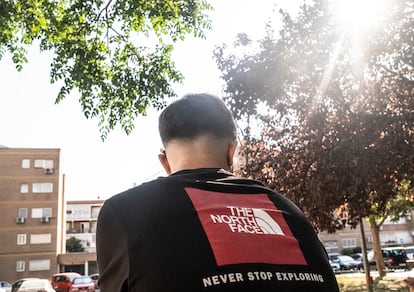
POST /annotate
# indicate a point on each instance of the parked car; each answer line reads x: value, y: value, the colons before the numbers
x: 394, y: 257
x: 335, y: 266
x: 346, y: 263
x: 409, y: 250
x: 83, y: 283
x: 333, y: 255
x: 70, y: 281
x: 357, y: 256
x: 62, y: 282
x: 32, y: 285
x: 95, y: 279
x: 5, y: 286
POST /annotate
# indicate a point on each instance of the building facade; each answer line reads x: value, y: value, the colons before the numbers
x: 391, y: 234
x: 81, y: 219
x: 30, y: 206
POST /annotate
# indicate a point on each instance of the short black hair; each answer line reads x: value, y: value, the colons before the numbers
x: 194, y: 115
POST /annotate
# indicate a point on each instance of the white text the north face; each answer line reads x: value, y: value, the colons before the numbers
x: 248, y: 220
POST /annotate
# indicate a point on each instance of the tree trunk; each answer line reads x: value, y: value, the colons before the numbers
x: 377, y: 247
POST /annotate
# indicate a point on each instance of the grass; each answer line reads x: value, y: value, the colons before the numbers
x: 357, y: 283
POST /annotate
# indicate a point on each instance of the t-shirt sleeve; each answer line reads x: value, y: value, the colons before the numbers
x: 111, y: 250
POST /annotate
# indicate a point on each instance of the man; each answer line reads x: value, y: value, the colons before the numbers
x: 201, y: 228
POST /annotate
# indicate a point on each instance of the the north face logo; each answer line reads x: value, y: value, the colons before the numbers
x: 245, y: 228
x: 248, y: 220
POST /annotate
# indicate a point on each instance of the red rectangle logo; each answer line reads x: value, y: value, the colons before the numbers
x: 245, y: 228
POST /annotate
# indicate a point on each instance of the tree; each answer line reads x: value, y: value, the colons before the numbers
x: 74, y: 245
x: 337, y: 134
x: 116, y: 54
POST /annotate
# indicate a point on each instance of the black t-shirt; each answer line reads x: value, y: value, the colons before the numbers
x: 206, y: 230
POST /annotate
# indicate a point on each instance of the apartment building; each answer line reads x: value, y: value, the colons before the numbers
x: 81, y: 219
x: 391, y: 234
x: 30, y: 204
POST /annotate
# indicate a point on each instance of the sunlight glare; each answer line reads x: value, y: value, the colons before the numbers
x: 359, y: 15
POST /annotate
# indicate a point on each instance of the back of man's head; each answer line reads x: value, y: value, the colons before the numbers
x: 195, y: 115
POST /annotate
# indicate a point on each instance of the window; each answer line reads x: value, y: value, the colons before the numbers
x: 21, y: 239
x: 26, y: 163
x: 39, y: 265
x: 43, y: 163
x: 40, y: 238
x: 20, y: 266
x: 82, y: 280
x: 95, y: 211
x: 331, y: 244
x: 42, y: 187
x: 349, y: 242
x: 41, y: 212
x: 93, y: 227
x: 24, y: 188
x: 59, y: 279
x: 22, y: 212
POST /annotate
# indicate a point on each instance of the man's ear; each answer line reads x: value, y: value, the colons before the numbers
x: 164, y: 162
x: 230, y: 152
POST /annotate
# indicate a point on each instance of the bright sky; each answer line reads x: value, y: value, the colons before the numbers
x: 30, y: 119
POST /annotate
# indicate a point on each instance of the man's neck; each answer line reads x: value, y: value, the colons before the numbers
x: 203, y: 152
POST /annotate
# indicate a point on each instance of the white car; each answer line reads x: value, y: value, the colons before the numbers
x: 410, y: 252
x: 33, y: 285
x: 335, y: 266
x: 5, y: 286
